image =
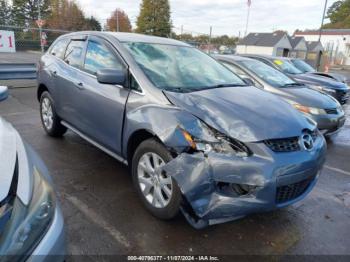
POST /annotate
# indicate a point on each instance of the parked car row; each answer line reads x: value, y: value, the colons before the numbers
x: 337, y: 89
x: 320, y: 107
x: 214, y: 139
x: 306, y: 68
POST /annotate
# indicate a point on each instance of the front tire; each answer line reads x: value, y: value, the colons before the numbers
x: 158, y: 191
x: 49, y: 118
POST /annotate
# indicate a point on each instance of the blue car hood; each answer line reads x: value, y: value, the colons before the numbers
x: 314, y: 79
x: 244, y: 113
x: 332, y: 76
x: 306, y: 96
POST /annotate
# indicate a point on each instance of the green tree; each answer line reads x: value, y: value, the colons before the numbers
x: 92, y: 24
x: 154, y: 18
x: 26, y: 12
x: 339, y: 15
x: 5, y: 13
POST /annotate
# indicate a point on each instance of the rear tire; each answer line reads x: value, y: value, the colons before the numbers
x: 159, y: 192
x: 49, y: 118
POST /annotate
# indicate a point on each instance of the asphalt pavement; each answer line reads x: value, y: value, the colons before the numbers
x: 104, y: 216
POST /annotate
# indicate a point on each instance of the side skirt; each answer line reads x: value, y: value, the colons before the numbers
x: 107, y: 151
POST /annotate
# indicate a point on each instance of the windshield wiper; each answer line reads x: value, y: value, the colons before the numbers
x: 178, y: 89
x: 292, y: 84
x: 199, y: 88
x: 224, y: 85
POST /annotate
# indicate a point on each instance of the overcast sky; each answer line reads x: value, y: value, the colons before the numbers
x: 226, y: 16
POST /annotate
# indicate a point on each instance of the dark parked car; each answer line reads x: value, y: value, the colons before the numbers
x: 322, y: 108
x: 306, y: 68
x: 196, y: 138
x: 338, y: 90
x: 31, y: 221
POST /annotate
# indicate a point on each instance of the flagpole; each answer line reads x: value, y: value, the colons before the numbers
x: 247, y: 23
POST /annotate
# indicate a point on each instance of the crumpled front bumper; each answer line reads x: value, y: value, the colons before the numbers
x: 269, y: 175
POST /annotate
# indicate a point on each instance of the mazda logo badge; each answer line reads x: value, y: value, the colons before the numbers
x: 307, y: 142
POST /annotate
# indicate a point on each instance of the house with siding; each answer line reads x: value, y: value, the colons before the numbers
x: 275, y: 44
x: 299, y: 47
x: 336, y: 42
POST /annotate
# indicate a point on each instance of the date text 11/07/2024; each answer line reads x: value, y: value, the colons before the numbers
x: 173, y: 258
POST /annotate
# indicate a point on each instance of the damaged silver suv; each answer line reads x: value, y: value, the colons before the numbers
x: 196, y: 137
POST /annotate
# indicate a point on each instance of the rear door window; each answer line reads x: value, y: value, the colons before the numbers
x: 75, y: 53
x: 99, y: 56
x: 59, y: 48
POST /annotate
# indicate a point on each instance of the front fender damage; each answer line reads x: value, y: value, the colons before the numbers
x: 195, y: 172
x: 203, y: 204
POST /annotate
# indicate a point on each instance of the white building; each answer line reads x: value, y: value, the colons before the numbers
x: 299, y: 47
x: 335, y: 41
x: 275, y: 44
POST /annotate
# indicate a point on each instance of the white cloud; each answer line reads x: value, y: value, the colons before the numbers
x: 226, y: 16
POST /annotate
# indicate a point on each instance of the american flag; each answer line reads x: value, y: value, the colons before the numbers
x: 249, y: 2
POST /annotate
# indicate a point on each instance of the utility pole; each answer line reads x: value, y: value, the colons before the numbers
x: 210, y: 32
x: 324, y: 14
x: 40, y: 28
x: 117, y: 20
x: 249, y: 3
x: 318, y: 62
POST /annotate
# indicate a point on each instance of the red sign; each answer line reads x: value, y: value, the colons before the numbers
x: 7, y: 41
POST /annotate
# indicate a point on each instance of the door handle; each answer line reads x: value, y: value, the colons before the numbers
x: 80, y: 85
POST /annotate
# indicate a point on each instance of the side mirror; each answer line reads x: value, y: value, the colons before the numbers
x: 248, y: 81
x: 4, y: 93
x: 111, y: 76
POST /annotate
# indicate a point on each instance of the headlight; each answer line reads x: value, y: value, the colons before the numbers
x: 223, y: 144
x: 328, y: 90
x: 29, y: 223
x: 324, y: 89
x: 310, y: 110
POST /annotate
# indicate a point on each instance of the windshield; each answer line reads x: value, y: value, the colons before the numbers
x: 303, y: 66
x: 181, y: 68
x: 268, y: 74
x: 287, y: 67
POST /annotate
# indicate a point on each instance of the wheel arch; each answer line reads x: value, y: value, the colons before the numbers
x: 135, y: 139
x: 41, y: 89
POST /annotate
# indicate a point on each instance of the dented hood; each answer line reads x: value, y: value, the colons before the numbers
x: 244, y: 113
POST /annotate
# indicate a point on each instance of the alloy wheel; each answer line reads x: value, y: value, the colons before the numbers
x: 156, y: 186
x: 47, y: 113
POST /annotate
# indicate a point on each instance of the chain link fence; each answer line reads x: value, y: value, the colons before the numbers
x: 31, y: 38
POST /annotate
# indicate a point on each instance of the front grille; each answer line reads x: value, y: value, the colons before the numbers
x: 289, y: 192
x: 284, y: 145
x: 344, y: 96
x: 314, y: 134
x: 332, y: 111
